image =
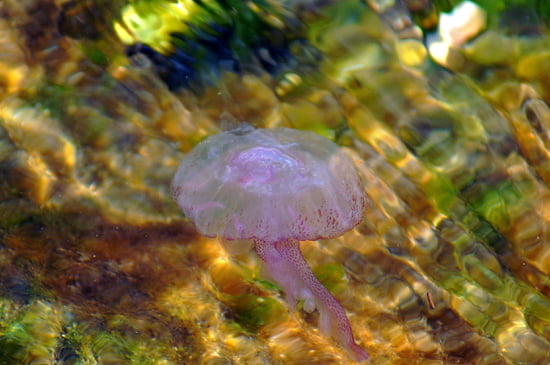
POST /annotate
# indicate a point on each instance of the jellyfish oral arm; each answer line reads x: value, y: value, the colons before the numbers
x: 291, y: 271
x: 282, y: 273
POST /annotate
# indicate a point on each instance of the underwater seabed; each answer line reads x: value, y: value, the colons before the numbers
x: 450, y: 264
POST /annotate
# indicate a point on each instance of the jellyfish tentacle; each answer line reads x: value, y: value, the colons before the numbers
x: 289, y: 268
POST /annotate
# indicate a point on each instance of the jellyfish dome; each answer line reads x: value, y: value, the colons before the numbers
x: 270, y: 185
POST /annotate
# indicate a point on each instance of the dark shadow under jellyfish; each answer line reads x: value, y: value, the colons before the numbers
x: 276, y: 187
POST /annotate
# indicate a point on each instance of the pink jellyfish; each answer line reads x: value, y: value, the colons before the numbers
x: 276, y: 187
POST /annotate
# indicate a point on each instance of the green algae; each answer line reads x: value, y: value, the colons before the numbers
x: 332, y: 276
x: 252, y: 312
x: 31, y: 334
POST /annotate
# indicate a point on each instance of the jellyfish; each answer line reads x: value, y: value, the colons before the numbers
x: 275, y: 188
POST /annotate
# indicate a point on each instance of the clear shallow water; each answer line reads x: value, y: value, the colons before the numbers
x: 450, y: 264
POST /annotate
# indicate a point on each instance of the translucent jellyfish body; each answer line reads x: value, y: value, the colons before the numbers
x: 276, y: 187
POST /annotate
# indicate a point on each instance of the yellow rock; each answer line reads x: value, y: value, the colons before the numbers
x: 534, y: 66
x: 492, y: 48
x: 13, y: 68
x: 411, y: 52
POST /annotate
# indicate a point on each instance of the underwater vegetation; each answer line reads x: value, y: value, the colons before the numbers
x: 445, y: 121
x: 191, y: 42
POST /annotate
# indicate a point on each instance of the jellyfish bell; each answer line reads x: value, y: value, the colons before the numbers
x: 269, y: 184
x: 276, y: 187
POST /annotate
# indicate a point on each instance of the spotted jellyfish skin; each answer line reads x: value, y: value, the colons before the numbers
x: 269, y: 184
x: 276, y: 187
x: 289, y: 268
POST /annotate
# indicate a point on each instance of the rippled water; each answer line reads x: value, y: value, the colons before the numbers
x: 450, y: 265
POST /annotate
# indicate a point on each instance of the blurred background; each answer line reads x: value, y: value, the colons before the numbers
x: 443, y: 106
